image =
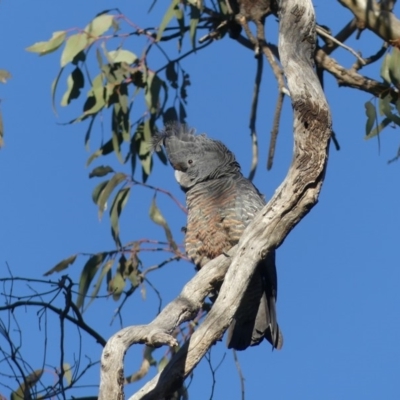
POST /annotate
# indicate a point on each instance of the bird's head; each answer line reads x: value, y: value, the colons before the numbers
x: 195, y: 158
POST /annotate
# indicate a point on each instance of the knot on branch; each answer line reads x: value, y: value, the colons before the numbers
x: 158, y: 338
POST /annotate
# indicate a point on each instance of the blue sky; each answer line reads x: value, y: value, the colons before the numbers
x: 338, y: 270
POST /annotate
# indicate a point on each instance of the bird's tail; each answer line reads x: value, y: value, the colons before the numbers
x: 256, y: 318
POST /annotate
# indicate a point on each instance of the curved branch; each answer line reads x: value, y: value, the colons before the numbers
x: 291, y: 202
x: 350, y: 77
x: 159, y: 332
x: 372, y: 16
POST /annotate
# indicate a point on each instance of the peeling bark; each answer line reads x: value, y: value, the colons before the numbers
x: 291, y: 202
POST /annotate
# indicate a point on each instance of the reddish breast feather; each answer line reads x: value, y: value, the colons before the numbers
x: 213, y: 224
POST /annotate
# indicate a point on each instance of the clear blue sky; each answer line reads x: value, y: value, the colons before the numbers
x: 338, y: 270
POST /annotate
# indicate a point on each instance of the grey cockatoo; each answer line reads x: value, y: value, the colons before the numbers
x: 221, y: 202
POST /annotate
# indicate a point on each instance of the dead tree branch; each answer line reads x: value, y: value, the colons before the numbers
x: 370, y: 15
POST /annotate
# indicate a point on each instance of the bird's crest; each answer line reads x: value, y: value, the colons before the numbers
x: 181, y: 131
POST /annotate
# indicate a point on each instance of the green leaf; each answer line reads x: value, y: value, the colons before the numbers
x: 73, y: 46
x: 185, y: 84
x: 155, y: 214
x: 64, y: 264
x: 4, y: 76
x: 80, y: 57
x: 104, y: 271
x: 385, y: 69
x: 123, y: 56
x: 117, y: 286
x: 371, y: 117
x: 88, y: 273
x: 51, y: 45
x: 105, y: 193
x: 116, y: 73
x: 67, y: 373
x: 152, y: 92
x: 116, y: 132
x: 131, y: 271
x: 99, y: 25
x: 123, y: 102
x: 157, y: 217
x: 30, y: 381
x: 96, y: 92
x: 180, y: 17
x: 386, y: 107
x: 117, y: 206
x: 88, y: 132
x: 144, y: 150
x: 97, y: 191
x: 194, y: 21
x: 378, y: 129
x: 75, y: 83
x: 53, y: 90
x: 167, y: 18
x: 223, y: 9
x: 171, y: 74
x: 394, y: 67
x: 101, y: 171
x: 107, y: 148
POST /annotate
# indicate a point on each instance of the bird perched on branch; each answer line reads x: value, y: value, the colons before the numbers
x: 221, y: 202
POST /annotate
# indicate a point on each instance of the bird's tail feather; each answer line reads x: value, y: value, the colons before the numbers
x: 256, y: 318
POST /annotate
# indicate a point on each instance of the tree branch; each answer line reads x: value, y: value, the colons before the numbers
x: 291, y: 202
x: 372, y: 16
x: 349, y: 77
x: 184, y: 308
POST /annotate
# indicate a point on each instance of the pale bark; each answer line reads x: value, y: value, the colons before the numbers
x: 290, y: 203
x: 371, y: 15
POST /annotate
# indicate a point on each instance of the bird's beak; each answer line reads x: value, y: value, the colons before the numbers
x: 178, y: 176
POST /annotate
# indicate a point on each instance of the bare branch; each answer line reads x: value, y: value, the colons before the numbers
x: 77, y: 321
x: 342, y: 36
x: 241, y: 377
x: 159, y: 332
x: 278, y: 109
x: 349, y: 77
x: 253, y: 118
x: 324, y: 33
x: 370, y: 15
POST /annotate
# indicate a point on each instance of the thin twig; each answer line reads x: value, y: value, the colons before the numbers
x: 169, y: 194
x: 253, y: 118
x: 239, y: 370
x: 375, y: 57
x: 325, y: 34
x: 275, y: 129
x: 185, y: 55
x: 158, y: 294
x: 278, y: 109
x: 78, y: 321
x: 213, y: 370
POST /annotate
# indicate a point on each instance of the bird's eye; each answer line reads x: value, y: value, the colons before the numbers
x: 190, y: 162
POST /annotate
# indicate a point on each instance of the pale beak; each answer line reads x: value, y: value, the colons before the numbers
x: 178, y: 176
